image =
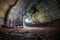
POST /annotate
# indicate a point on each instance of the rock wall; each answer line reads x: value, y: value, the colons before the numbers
x: 4, y: 7
x: 48, y: 11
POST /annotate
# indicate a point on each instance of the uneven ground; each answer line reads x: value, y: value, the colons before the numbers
x: 30, y: 33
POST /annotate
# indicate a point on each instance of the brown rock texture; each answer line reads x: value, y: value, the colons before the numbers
x: 5, y: 7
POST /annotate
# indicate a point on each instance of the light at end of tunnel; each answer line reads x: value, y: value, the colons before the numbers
x: 28, y: 20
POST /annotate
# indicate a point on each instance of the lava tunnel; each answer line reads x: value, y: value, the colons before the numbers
x: 29, y: 20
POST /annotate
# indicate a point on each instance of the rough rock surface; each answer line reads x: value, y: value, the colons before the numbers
x: 30, y: 33
x: 5, y: 6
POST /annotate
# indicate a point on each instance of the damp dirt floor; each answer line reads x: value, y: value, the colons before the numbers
x: 30, y: 33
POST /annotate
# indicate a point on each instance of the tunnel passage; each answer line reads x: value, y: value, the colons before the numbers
x: 48, y: 10
x: 39, y: 11
x: 44, y: 11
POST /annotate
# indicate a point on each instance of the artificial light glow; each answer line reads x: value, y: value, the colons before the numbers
x: 27, y: 20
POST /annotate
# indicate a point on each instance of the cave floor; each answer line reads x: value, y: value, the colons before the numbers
x: 30, y: 33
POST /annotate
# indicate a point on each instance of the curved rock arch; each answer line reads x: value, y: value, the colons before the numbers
x: 5, y: 6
